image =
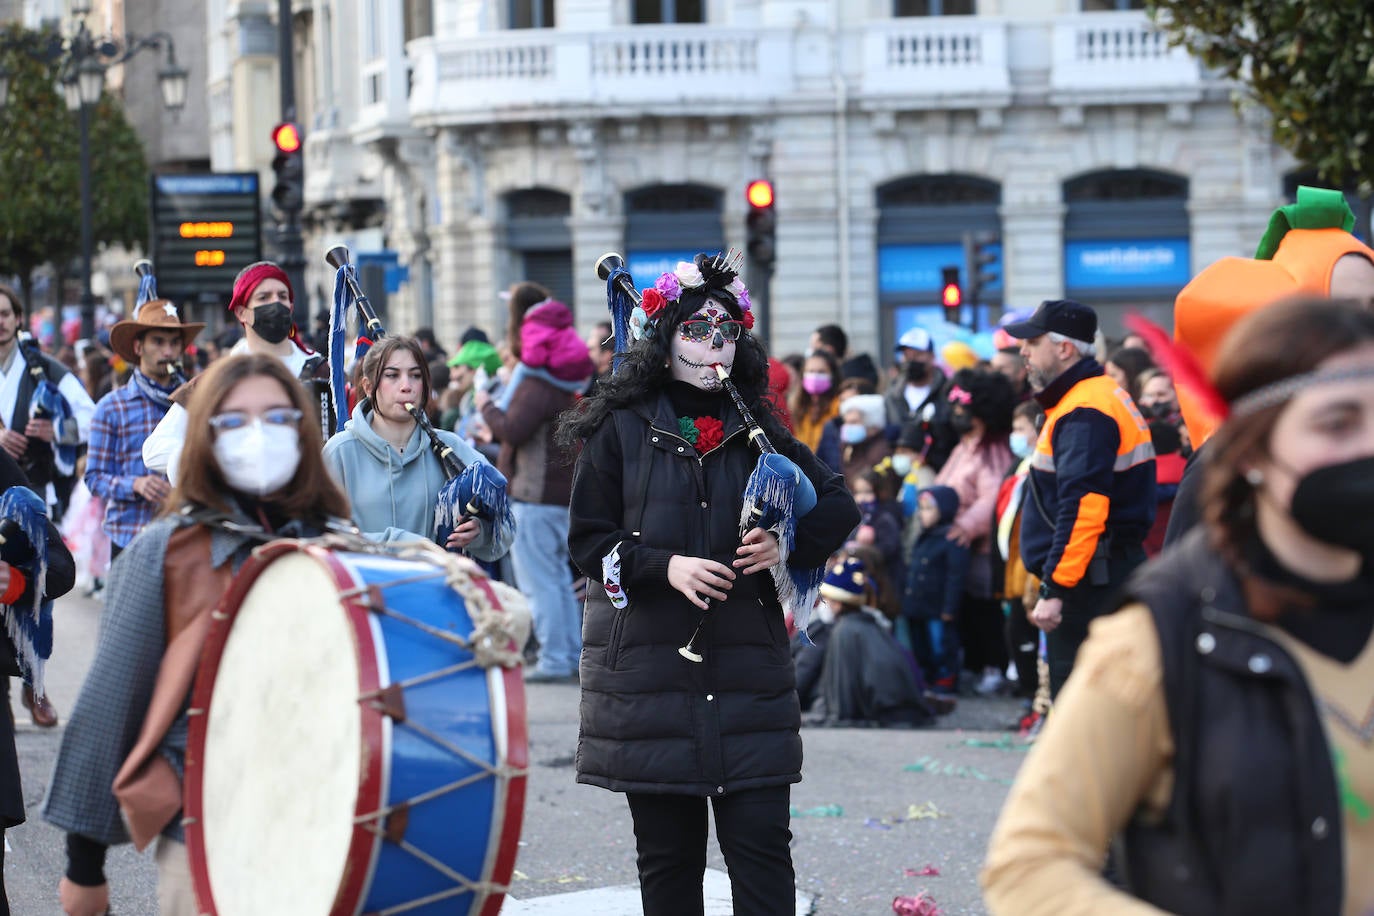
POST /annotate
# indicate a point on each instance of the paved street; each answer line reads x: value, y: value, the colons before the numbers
x: 873, y: 805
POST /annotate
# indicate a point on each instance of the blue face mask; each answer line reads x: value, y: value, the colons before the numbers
x: 853, y: 433
x: 1020, y: 445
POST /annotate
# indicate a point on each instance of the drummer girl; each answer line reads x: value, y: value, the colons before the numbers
x: 656, y: 502
x: 385, y: 463
x: 245, y: 479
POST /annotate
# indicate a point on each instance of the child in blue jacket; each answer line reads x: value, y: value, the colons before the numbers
x: 935, y: 589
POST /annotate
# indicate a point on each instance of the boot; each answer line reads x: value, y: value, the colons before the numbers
x: 40, y: 710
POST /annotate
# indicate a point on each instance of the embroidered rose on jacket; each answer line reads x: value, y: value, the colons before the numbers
x: 687, y: 429
x: 710, y: 432
x: 668, y: 285
x: 652, y: 302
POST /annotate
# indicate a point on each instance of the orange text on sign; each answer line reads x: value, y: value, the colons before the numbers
x: 204, y: 230
x: 209, y: 257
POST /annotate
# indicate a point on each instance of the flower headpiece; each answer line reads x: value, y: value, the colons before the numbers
x: 702, y: 273
x: 958, y: 395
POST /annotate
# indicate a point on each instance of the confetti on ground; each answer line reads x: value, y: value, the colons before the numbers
x: 1004, y: 743
x: 937, y: 768
x: 818, y: 811
x: 920, y: 905
x: 924, y: 812
x: 925, y: 871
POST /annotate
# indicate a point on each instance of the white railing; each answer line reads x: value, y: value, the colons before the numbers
x: 644, y: 67
x: 953, y: 57
x: 1108, y: 52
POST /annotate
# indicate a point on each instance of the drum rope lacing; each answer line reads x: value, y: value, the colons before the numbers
x: 498, y: 635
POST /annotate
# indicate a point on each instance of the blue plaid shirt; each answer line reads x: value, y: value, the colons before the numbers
x: 114, y: 459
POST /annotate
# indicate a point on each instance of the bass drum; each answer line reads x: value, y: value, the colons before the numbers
x: 347, y: 752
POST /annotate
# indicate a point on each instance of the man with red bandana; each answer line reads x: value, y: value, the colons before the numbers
x: 262, y: 303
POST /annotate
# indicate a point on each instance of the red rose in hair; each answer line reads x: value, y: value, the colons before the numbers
x: 748, y: 320
x: 652, y: 301
x: 709, y: 433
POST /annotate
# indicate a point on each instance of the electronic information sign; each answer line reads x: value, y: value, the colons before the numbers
x: 206, y: 228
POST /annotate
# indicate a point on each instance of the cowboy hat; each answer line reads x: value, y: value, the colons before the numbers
x: 153, y: 315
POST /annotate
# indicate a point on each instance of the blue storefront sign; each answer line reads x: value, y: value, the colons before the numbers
x: 647, y: 266
x: 1127, y: 264
x: 916, y: 268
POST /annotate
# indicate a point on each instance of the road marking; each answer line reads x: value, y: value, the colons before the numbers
x: 624, y: 901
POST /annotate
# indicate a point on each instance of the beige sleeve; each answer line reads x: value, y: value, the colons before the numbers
x: 1104, y: 753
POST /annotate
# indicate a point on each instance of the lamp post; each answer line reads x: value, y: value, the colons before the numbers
x: 82, y: 60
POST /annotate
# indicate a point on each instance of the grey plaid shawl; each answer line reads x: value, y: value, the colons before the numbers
x: 109, y: 711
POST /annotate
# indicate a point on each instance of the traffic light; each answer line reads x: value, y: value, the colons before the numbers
x: 761, y: 223
x: 951, y: 296
x: 289, y: 192
x: 979, y: 258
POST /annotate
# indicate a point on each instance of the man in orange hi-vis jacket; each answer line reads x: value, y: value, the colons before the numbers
x: 1090, y: 497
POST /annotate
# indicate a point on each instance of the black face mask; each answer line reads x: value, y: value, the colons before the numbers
x: 917, y: 373
x: 1335, y: 505
x: 960, y: 422
x: 272, y: 322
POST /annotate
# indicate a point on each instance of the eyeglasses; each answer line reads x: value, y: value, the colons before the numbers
x: 238, y: 419
x: 700, y: 329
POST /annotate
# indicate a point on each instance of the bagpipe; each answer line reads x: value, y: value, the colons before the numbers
x: 24, y: 546
x: 470, y: 490
x: 147, y: 292
x: 477, y: 490
x: 777, y: 493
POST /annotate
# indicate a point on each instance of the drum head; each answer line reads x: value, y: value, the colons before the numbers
x: 278, y: 759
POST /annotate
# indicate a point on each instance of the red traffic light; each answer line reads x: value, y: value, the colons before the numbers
x: 952, y: 297
x: 287, y: 137
x: 760, y: 194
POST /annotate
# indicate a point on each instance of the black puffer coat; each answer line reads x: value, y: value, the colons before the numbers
x: 651, y: 721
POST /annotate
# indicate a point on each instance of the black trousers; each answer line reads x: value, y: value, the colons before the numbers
x: 1023, y: 644
x: 755, y: 838
x: 1082, y: 605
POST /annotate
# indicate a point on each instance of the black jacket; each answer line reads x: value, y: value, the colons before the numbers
x: 867, y: 679
x: 1255, y: 824
x: 651, y: 721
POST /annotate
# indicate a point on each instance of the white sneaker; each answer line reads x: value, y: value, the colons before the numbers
x: 991, y: 682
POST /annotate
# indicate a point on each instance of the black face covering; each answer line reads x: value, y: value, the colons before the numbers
x: 960, y: 422
x: 1335, y: 505
x: 272, y: 322
x: 917, y: 373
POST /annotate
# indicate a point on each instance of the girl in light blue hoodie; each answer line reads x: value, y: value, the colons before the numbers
x: 384, y: 462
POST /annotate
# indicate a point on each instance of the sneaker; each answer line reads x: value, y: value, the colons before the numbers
x: 539, y: 676
x: 991, y: 683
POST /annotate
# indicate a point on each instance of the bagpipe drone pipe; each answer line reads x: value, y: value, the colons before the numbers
x: 477, y: 490
x: 777, y: 493
x: 147, y: 292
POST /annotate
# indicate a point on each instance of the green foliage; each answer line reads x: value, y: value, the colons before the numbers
x: 1309, y: 63
x: 40, y: 170
x: 40, y: 213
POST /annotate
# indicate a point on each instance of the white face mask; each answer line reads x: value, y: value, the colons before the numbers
x: 1020, y: 445
x: 260, y: 458
x: 901, y: 464
x: 693, y: 361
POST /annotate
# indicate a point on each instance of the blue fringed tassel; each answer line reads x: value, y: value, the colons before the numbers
x: 482, y: 487
x: 772, y: 490
x: 147, y: 289
x: 338, y: 321
x: 48, y: 402
x: 621, y: 306
x: 30, y: 628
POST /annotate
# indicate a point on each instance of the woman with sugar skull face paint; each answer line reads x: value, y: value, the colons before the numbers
x: 655, y: 519
x: 252, y: 471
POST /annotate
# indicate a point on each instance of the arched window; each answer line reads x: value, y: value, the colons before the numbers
x: 1126, y: 243
x: 923, y: 224
x: 665, y: 224
x: 537, y: 234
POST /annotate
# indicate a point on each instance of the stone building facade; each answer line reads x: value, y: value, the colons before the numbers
x: 461, y: 145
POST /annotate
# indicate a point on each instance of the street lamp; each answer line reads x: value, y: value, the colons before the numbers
x: 82, y: 61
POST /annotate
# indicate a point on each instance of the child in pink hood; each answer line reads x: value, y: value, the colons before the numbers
x: 549, y: 341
